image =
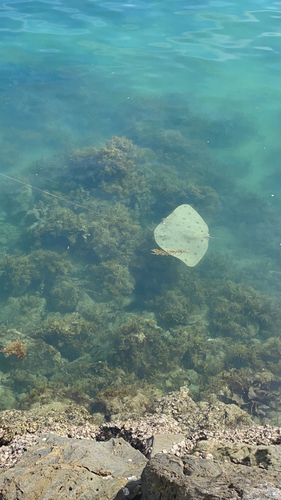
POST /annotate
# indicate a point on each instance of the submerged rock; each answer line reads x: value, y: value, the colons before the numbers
x: 193, y: 416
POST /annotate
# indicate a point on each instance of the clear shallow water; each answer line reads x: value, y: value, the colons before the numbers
x: 198, y: 84
x: 69, y: 71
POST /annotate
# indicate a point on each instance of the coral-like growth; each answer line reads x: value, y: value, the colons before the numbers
x: 16, y: 348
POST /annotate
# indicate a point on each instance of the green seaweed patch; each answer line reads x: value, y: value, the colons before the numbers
x: 258, y: 392
x: 114, y: 280
x: 109, y: 232
x: 182, y: 300
x: 65, y: 294
x: 242, y: 312
x: 70, y: 334
x: 115, y: 167
x: 23, y: 312
x: 47, y: 393
x: 114, y: 234
x: 270, y: 354
x: 50, y: 220
x: 241, y: 355
x: 20, y: 272
x: 171, y: 190
x: 111, y: 162
x: 172, y: 308
x: 141, y: 347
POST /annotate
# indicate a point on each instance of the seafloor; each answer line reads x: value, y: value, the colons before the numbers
x: 89, y: 315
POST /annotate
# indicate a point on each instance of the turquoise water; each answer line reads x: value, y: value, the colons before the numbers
x: 68, y: 73
x: 196, y: 89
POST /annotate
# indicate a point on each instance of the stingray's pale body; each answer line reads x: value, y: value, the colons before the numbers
x: 183, y: 234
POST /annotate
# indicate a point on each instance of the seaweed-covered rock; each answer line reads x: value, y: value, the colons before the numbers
x: 208, y: 415
x: 141, y: 347
x: 23, y: 313
x: 114, y: 234
x: 117, y: 167
x: 26, y: 362
x: 65, y: 294
x: 51, y: 221
x: 257, y: 392
x: 242, y: 312
x: 69, y: 334
x: 114, y: 281
x: 129, y: 401
x: 39, y: 268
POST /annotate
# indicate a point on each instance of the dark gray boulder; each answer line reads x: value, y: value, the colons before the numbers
x: 59, y: 468
x: 168, y: 477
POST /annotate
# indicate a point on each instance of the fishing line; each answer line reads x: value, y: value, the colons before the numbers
x: 49, y: 194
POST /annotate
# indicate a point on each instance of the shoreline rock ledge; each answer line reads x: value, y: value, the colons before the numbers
x: 63, y: 468
x: 168, y: 477
x: 181, y: 451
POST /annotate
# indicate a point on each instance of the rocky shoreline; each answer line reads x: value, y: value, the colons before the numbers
x: 187, y: 450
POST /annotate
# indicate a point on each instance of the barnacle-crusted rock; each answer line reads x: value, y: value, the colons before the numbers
x: 205, y: 415
x: 55, y: 416
x: 267, y: 457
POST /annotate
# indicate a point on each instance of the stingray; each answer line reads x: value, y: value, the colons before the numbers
x: 184, y: 235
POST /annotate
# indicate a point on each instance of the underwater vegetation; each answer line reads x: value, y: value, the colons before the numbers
x: 118, y: 168
x: 111, y: 321
x: 243, y: 312
x: 69, y: 334
x: 257, y: 392
x: 21, y: 272
x: 112, y: 165
x: 114, y: 280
